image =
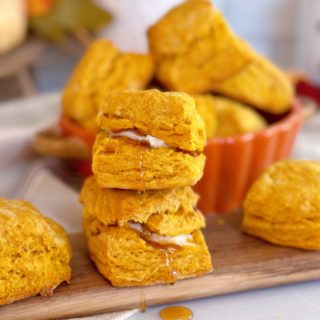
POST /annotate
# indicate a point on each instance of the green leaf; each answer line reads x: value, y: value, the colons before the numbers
x: 68, y: 17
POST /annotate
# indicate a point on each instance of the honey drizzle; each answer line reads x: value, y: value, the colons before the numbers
x: 176, y: 313
x: 167, y: 250
x: 172, y: 274
x: 168, y: 255
x: 143, y: 305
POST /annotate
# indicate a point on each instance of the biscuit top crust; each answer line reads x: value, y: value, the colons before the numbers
x: 102, y: 69
x: 21, y: 223
x: 168, y: 116
x: 287, y: 193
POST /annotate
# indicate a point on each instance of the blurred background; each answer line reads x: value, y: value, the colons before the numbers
x: 41, y: 40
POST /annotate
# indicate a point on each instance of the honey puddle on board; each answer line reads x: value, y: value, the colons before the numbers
x: 176, y: 313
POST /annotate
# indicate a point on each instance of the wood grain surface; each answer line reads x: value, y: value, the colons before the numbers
x: 241, y: 263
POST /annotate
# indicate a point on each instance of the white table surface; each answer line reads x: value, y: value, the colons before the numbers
x: 294, y: 302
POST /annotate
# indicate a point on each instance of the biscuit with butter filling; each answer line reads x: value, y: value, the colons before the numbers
x: 168, y: 212
x: 127, y: 259
x: 143, y: 238
x: 152, y: 140
x: 120, y: 162
x: 169, y: 116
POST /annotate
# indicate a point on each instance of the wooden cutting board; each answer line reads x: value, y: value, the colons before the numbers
x: 241, y: 263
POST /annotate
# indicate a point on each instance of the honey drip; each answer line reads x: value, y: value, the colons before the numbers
x: 168, y: 254
x: 176, y: 313
x: 143, y: 305
x: 172, y: 274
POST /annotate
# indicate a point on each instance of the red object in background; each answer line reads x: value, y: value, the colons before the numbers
x: 70, y: 128
x: 234, y: 163
x: 307, y: 89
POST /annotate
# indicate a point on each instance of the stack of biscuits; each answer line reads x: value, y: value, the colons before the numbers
x: 140, y: 217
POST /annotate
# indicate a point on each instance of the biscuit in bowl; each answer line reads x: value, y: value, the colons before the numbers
x: 283, y: 205
x: 225, y: 117
x: 194, y: 48
x: 206, y: 107
x: 35, y: 252
x: 102, y: 69
x: 143, y: 238
x: 235, y: 118
x: 195, y: 51
x: 152, y: 140
x: 260, y: 84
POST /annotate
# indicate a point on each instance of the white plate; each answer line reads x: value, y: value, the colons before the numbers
x: 20, y: 120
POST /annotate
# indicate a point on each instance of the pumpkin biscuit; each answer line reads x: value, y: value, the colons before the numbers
x: 127, y: 259
x: 207, y: 110
x: 143, y: 238
x: 169, y: 116
x: 224, y: 117
x: 167, y: 212
x: 154, y: 140
x: 127, y: 164
x: 35, y: 252
x: 196, y: 52
x: 259, y: 84
x: 102, y: 69
x: 283, y: 205
x: 194, y: 48
x: 235, y: 118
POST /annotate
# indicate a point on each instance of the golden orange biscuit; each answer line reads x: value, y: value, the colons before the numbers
x: 260, y: 84
x: 196, y: 52
x: 102, y: 69
x: 121, y: 162
x: 169, y: 116
x: 167, y: 212
x: 127, y: 259
x: 283, y: 205
x: 224, y: 117
x: 207, y: 109
x: 194, y: 48
x: 234, y: 118
x: 35, y: 252
x: 153, y: 140
x: 143, y: 238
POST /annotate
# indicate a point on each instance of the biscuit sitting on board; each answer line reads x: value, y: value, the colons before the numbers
x: 144, y: 238
x: 283, y: 205
x: 35, y: 252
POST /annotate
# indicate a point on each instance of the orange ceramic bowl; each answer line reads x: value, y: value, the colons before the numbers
x: 70, y: 128
x: 234, y: 163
